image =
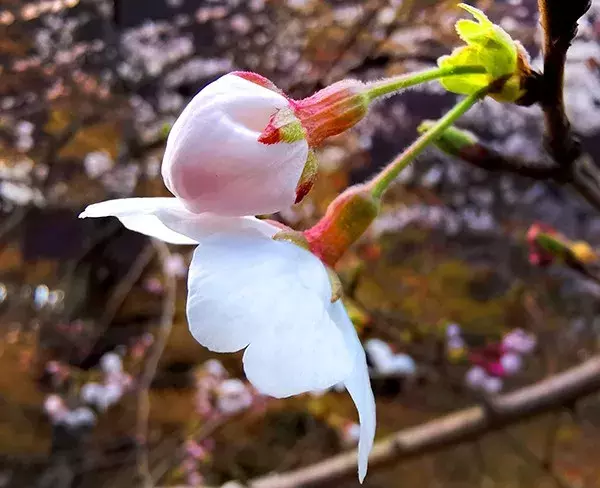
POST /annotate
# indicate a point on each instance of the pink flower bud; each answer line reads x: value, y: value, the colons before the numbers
x: 495, y: 369
x: 538, y: 256
x: 214, y: 161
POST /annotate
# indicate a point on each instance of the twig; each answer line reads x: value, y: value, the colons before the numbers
x: 551, y: 439
x: 526, y: 453
x: 12, y: 222
x: 125, y: 285
x: 147, y: 375
x: 548, y: 395
x: 582, y: 175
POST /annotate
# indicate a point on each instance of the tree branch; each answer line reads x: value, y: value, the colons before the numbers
x: 551, y: 394
x: 583, y: 175
x: 559, y: 22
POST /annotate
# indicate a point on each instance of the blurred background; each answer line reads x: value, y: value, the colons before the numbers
x: 88, y: 92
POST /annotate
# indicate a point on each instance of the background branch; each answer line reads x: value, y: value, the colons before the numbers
x: 554, y: 393
x: 145, y: 380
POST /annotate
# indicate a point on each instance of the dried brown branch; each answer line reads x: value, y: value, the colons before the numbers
x: 147, y: 375
x: 552, y: 394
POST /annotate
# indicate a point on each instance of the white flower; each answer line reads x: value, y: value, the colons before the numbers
x: 233, y: 396
x: 475, y: 376
x: 215, y: 368
x: 492, y: 384
x: 91, y: 393
x: 269, y: 297
x: 213, y: 161
x: 511, y: 362
x: 79, y: 417
x: 519, y: 341
x: 97, y: 163
x: 55, y: 408
x: 386, y: 362
x: 453, y: 330
x: 111, y: 363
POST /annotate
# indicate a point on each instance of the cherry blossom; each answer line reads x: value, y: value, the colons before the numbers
x: 270, y: 297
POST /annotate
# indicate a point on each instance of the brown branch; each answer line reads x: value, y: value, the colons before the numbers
x: 124, y: 286
x: 583, y: 175
x: 166, y: 322
x: 552, y: 394
x: 559, y: 21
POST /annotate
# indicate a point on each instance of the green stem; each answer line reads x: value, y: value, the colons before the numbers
x: 380, y: 183
x: 391, y: 85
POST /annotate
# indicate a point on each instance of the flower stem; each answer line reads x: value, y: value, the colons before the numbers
x: 391, y: 85
x: 380, y: 183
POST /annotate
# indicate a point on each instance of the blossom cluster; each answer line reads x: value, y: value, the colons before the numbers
x: 491, y: 364
x: 94, y: 397
x: 217, y: 396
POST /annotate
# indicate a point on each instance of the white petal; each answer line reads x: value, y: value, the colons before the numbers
x: 213, y: 160
x: 358, y: 385
x: 167, y: 219
x: 248, y: 290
